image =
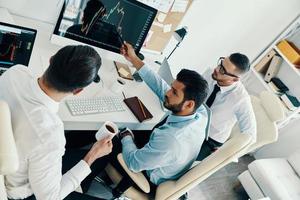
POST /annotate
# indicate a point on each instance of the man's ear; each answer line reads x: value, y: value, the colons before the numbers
x: 50, y: 60
x: 77, y: 91
x: 189, y: 104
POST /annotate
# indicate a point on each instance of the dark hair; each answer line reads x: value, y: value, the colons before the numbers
x: 240, y: 61
x: 92, y: 7
x: 72, y: 67
x: 196, y: 87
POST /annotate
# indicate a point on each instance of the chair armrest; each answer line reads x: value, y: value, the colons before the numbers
x: 138, y: 178
x: 9, y: 161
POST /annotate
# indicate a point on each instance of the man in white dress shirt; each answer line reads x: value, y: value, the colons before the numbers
x: 39, y: 132
x: 229, y: 102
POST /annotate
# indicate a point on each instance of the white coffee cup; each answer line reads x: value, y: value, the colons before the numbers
x: 107, y: 129
x: 118, y: 85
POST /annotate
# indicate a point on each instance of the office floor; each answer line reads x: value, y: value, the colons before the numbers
x: 218, y: 186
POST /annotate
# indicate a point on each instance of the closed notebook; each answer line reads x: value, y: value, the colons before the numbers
x: 135, y: 107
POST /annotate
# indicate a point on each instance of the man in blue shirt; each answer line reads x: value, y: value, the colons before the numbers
x: 175, y: 142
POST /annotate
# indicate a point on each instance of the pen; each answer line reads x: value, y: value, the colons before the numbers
x: 142, y: 108
x: 123, y: 95
x: 120, y: 38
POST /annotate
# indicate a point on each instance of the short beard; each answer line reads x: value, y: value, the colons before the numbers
x: 175, y: 108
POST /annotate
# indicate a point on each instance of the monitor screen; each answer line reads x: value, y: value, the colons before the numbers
x: 16, y: 44
x: 107, y: 23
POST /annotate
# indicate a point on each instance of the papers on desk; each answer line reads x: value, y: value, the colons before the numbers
x: 160, y: 5
x: 180, y: 6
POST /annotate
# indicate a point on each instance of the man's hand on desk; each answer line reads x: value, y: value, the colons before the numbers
x: 99, y: 149
x: 128, y: 52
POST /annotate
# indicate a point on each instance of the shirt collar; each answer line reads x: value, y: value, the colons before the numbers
x: 43, y: 97
x: 224, y: 89
x: 177, y: 118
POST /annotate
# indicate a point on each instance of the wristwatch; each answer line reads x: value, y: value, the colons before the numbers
x: 126, y: 132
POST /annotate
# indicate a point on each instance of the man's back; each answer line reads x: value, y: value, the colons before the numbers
x: 33, y: 119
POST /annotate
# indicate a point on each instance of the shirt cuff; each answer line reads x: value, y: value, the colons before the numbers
x: 81, y: 170
x: 144, y: 69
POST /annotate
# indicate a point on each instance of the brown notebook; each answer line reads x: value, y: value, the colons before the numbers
x: 135, y: 106
x: 123, y: 70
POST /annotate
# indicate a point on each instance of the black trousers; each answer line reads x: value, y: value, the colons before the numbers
x: 73, y: 155
x: 207, y: 148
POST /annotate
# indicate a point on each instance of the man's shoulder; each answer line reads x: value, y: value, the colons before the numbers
x: 18, y: 69
x: 239, y: 93
x: 17, y: 75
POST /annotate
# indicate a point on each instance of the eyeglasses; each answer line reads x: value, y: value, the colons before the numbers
x: 222, y: 69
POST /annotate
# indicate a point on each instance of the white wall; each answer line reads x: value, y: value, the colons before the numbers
x: 218, y: 28
x: 43, y: 10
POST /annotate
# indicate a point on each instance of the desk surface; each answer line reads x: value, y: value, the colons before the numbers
x: 42, y: 52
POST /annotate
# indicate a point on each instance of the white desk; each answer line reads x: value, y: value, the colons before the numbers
x: 43, y: 50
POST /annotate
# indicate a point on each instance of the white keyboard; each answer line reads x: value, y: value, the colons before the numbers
x: 95, y: 105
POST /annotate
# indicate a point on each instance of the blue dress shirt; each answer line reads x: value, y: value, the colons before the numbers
x: 173, y: 147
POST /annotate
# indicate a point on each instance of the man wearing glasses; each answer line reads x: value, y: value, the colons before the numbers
x: 228, y: 101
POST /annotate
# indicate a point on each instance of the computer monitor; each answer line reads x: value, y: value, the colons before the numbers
x: 16, y: 44
x: 105, y: 24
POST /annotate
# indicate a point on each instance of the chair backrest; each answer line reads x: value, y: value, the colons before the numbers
x: 230, y: 151
x: 8, y: 153
x: 268, y: 110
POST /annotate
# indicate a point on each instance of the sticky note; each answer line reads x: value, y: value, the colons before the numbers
x: 123, y: 72
x: 161, y: 17
x: 167, y: 28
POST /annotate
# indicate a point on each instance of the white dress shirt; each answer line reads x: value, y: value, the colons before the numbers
x: 232, y: 104
x: 39, y: 136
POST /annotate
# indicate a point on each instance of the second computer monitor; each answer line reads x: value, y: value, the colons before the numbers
x: 16, y: 44
x: 105, y: 24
